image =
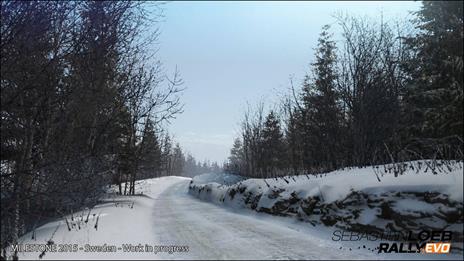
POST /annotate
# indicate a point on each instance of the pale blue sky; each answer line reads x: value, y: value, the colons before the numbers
x: 231, y: 53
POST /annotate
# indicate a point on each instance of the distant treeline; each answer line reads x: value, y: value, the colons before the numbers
x: 83, y: 102
x: 386, y: 92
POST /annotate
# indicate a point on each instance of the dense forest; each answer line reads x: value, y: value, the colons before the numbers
x: 84, y: 104
x: 386, y: 92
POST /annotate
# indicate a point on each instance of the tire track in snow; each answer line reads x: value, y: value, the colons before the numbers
x: 213, y: 232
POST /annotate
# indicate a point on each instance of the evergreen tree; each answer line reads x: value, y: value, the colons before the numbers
x: 293, y: 141
x: 190, y: 166
x: 166, y: 160
x: 322, y: 108
x: 272, y: 146
x: 236, y: 158
x: 150, y: 162
x: 178, y: 161
x: 434, y: 95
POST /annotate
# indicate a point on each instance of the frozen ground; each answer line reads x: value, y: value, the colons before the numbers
x: 167, y: 215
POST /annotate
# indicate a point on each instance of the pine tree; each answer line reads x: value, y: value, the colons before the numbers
x: 236, y: 158
x: 178, y: 161
x: 434, y: 97
x: 321, y: 115
x: 150, y: 162
x: 166, y: 159
x: 272, y: 146
x: 190, y: 167
x: 294, y: 141
x: 326, y: 116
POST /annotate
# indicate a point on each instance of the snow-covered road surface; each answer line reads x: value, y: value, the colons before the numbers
x: 168, y: 215
x: 213, y: 232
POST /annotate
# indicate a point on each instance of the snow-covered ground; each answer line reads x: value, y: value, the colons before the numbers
x: 166, y: 215
x: 356, y: 199
x: 335, y: 186
x: 338, y: 184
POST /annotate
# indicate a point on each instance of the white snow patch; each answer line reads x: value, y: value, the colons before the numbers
x: 413, y: 205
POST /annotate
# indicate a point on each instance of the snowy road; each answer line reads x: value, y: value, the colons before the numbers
x: 213, y: 232
x: 168, y: 215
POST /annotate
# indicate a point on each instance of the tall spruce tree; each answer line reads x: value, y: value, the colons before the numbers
x: 434, y: 97
x: 321, y: 115
x: 150, y: 162
x: 236, y: 158
x: 272, y: 159
x: 326, y: 116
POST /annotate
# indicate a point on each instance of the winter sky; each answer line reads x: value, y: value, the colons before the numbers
x: 231, y: 53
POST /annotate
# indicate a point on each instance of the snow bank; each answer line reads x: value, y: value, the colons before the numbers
x: 113, y: 222
x: 353, y: 198
x: 338, y: 184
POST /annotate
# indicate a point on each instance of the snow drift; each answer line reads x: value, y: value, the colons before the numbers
x: 355, y: 199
